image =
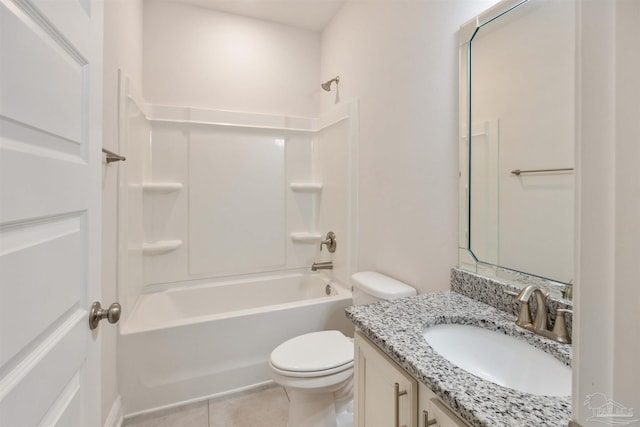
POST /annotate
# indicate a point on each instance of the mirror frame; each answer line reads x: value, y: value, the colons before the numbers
x: 467, y: 259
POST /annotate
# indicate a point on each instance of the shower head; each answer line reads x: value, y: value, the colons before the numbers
x: 327, y: 85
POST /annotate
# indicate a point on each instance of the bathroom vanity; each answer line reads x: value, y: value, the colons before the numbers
x: 458, y: 358
x: 411, y: 402
x: 402, y: 381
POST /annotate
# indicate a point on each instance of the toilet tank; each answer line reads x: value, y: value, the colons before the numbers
x: 370, y: 286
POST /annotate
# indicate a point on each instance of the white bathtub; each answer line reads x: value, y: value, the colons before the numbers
x: 194, y: 342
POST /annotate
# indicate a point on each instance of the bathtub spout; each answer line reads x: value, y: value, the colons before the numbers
x: 322, y: 266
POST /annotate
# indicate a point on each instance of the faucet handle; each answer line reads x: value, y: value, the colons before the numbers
x: 330, y: 241
x: 524, y: 317
x: 560, y: 327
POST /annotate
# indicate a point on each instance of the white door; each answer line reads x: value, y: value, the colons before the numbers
x: 50, y: 160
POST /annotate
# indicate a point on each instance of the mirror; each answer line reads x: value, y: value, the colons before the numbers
x: 517, y: 74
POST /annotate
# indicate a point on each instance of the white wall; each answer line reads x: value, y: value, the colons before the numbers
x: 122, y: 49
x: 607, y: 344
x: 400, y: 60
x: 203, y: 58
x: 627, y: 292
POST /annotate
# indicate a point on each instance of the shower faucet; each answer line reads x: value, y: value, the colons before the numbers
x: 330, y: 242
x: 322, y: 266
x: 327, y: 85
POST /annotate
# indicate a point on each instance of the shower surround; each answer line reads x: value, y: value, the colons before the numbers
x: 221, y: 210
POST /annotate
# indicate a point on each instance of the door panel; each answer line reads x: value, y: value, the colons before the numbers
x: 36, y: 383
x: 50, y: 193
x: 43, y: 76
x: 50, y: 290
x: 66, y: 411
x: 54, y: 189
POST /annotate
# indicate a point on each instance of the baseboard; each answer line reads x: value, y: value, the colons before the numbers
x: 167, y: 409
x: 115, y: 418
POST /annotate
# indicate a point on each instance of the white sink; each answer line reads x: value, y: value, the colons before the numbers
x: 501, y: 359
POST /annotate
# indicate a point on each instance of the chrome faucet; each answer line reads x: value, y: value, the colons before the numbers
x: 322, y: 266
x: 539, y: 325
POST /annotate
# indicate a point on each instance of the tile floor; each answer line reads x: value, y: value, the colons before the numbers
x: 264, y: 407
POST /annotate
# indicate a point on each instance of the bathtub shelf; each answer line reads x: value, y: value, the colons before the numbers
x: 306, y: 187
x: 306, y: 237
x: 161, y: 187
x: 160, y: 247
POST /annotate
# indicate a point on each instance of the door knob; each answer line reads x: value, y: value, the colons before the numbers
x: 97, y: 313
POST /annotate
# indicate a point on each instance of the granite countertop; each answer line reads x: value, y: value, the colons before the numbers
x: 396, y: 327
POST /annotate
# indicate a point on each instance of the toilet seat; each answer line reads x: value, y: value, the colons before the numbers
x: 312, y: 355
x: 311, y: 374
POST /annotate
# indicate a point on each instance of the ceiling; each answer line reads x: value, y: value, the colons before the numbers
x: 312, y: 15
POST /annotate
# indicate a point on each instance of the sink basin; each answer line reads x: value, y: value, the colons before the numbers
x: 501, y: 359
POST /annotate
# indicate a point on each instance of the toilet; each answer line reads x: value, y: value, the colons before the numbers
x: 316, y: 369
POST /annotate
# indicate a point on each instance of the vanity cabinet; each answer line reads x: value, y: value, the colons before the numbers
x: 433, y: 412
x: 386, y: 395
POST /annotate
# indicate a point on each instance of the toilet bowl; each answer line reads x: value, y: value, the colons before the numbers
x: 316, y: 369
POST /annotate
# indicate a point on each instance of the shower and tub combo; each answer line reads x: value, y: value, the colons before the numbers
x: 195, y: 341
x: 223, y: 216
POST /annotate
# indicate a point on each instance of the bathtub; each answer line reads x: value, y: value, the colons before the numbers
x: 194, y: 342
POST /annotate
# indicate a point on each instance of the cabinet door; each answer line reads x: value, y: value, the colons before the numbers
x: 385, y: 395
x: 432, y: 412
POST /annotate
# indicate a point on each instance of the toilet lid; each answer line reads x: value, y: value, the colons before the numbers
x: 316, y: 351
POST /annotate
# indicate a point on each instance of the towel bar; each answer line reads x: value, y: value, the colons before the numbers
x: 113, y: 157
x: 518, y: 171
